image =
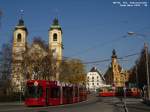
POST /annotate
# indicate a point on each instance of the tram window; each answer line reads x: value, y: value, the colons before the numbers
x: 70, y: 92
x: 39, y: 91
x: 67, y: 92
x: 55, y: 92
x: 33, y: 91
x: 47, y: 92
x: 64, y: 92
x: 76, y: 92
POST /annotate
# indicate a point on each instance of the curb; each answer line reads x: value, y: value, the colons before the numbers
x: 147, y: 102
x: 11, y: 103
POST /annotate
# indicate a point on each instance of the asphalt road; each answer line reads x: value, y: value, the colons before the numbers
x: 93, y: 104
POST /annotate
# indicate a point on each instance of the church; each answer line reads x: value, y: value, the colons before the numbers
x: 115, y: 75
x: 21, y: 46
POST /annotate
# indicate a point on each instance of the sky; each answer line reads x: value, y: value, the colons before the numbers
x: 91, y: 28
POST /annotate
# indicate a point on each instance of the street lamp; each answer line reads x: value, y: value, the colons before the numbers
x: 146, y: 57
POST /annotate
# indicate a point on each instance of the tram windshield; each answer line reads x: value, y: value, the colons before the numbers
x: 33, y: 91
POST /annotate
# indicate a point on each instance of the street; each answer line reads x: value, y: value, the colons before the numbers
x: 93, y: 104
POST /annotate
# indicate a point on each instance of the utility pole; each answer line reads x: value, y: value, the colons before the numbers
x: 147, y: 71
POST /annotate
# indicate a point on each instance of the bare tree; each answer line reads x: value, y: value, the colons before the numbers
x: 5, y: 66
x: 140, y: 71
x: 72, y: 71
x: 6, y: 61
x: 37, y: 61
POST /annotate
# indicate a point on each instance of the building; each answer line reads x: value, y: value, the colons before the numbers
x: 0, y: 65
x: 94, y: 79
x: 115, y: 75
x: 20, y: 46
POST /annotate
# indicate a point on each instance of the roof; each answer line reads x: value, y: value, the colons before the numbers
x: 21, y: 25
x: 114, y: 54
x: 94, y: 69
x: 55, y: 25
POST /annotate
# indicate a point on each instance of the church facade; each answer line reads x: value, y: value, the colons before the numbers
x: 20, y: 46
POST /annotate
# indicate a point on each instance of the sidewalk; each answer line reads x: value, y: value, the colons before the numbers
x: 11, y: 103
x: 147, y: 102
x: 133, y: 104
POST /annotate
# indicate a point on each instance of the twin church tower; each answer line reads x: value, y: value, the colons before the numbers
x: 20, y: 46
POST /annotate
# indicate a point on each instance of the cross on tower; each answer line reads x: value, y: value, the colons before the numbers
x: 21, y: 13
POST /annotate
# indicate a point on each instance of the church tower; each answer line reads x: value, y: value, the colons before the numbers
x: 55, y: 43
x: 19, y: 47
x: 114, y: 58
x: 116, y: 70
x: 19, y: 39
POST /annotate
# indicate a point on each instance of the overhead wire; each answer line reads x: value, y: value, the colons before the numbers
x: 106, y: 60
x: 95, y: 46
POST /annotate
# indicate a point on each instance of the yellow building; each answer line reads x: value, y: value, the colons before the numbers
x: 115, y: 75
x: 20, y: 46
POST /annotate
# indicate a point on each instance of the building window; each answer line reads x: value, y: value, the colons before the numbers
x: 93, y: 79
x: 97, y: 83
x: 19, y: 37
x: 97, y: 77
x: 93, y: 83
x: 55, y: 37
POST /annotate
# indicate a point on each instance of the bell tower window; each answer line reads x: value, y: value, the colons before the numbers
x: 55, y: 37
x: 19, y: 37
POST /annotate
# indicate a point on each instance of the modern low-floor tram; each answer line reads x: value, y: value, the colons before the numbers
x: 43, y: 93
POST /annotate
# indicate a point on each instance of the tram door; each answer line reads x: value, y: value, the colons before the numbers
x: 70, y: 94
x: 47, y: 95
x: 64, y: 98
x: 55, y: 96
x: 67, y: 95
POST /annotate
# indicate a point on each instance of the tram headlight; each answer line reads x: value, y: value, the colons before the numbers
x: 36, y: 83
